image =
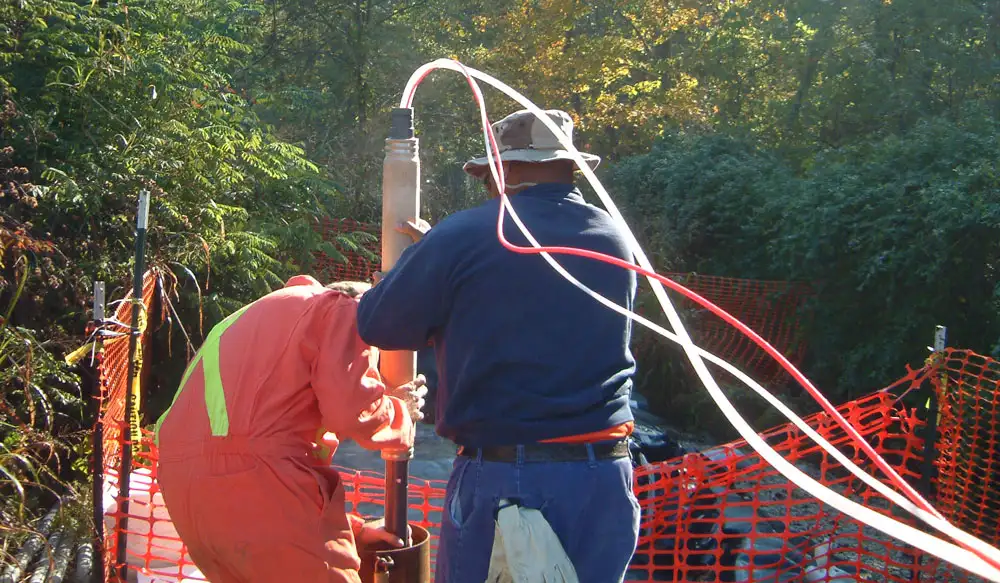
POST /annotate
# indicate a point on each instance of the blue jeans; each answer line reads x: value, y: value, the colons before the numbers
x: 589, y: 504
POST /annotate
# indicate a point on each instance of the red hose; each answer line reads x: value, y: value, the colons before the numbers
x: 893, y: 476
x: 828, y: 407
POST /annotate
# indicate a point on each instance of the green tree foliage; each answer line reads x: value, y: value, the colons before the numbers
x: 696, y: 202
x: 332, y: 70
x: 97, y: 101
x: 847, y: 144
x: 900, y: 234
x: 112, y: 99
x: 896, y: 235
x: 40, y: 399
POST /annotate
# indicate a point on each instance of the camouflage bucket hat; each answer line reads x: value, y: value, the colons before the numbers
x: 521, y: 137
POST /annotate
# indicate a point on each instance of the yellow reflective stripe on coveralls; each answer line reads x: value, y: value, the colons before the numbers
x: 215, y: 397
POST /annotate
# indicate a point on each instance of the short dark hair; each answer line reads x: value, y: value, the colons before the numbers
x: 351, y: 289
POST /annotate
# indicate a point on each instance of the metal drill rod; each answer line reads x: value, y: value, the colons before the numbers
x: 124, y: 473
x: 93, y: 379
x: 397, y: 473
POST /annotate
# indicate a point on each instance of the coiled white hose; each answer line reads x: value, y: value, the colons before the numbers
x: 940, y: 548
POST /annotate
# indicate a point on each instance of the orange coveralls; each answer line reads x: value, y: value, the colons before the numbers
x: 239, y: 469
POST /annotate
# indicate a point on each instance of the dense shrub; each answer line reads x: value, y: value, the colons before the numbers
x: 896, y: 235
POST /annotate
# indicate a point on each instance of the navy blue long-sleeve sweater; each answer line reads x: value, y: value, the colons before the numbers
x: 522, y: 354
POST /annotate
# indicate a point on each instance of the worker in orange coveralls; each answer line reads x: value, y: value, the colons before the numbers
x: 247, y: 487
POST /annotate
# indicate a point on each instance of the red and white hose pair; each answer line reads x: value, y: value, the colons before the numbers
x: 970, y: 553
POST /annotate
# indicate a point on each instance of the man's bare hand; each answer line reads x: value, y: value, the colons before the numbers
x: 374, y: 532
x: 412, y: 393
x: 414, y: 228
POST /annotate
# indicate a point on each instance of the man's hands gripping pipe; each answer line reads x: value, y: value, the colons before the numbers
x: 412, y: 394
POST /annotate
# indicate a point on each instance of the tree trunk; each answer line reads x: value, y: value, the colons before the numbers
x: 814, y: 53
x: 575, y: 99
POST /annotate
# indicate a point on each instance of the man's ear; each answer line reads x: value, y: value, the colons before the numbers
x: 491, y: 186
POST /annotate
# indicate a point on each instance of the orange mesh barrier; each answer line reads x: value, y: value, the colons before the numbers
x: 114, y: 375
x: 355, y: 267
x: 366, y: 496
x: 151, y: 542
x: 968, y: 453
x: 154, y: 551
x: 726, y: 515
x: 770, y: 308
x: 719, y: 515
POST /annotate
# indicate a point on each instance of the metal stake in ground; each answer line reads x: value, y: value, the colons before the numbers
x: 126, y: 461
x: 926, y: 485
x: 400, y: 202
x: 93, y: 379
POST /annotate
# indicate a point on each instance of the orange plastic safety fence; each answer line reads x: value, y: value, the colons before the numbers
x: 726, y: 515
x: 114, y: 385
x: 366, y: 496
x: 720, y: 515
x: 113, y: 372
x: 771, y: 308
x: 356, y: 266
x: 154, y: 551
x: 729, y: 515
x: 968, y: 449
x: 114, y: 375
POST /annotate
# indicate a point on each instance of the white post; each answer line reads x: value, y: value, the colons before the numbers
x: 940, y: 338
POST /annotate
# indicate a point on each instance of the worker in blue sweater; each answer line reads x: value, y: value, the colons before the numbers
x: 534, y: 375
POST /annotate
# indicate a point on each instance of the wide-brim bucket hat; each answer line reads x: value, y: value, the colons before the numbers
x: 522, y: 137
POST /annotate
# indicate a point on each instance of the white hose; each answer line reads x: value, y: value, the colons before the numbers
x: 928, y: 543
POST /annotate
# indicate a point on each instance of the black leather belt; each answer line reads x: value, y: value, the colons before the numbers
x: 548, y: 452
